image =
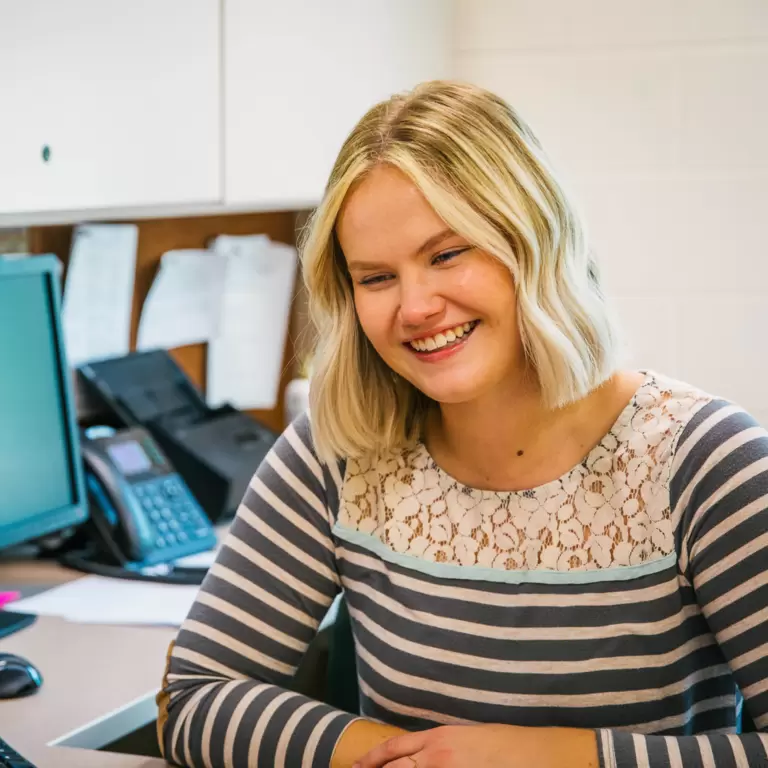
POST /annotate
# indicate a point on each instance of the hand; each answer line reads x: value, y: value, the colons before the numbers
x: 452, y: 746
x: 486, y: 746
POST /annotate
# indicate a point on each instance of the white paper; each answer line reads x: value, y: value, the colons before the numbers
x: 100, y: 600
x: 245, y: 357
x: 98, y: 294
x: 200, y: 560
x: 183, y: 303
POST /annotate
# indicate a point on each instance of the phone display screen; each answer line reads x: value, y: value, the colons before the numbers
x: 129, y: 457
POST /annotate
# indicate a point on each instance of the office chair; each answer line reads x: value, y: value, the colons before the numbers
x: 342, y: 689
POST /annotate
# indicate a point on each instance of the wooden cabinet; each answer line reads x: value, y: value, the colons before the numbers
x: 298, y: 74
x: 109, y: 104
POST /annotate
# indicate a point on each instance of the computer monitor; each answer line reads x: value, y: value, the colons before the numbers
x: 41, y: 477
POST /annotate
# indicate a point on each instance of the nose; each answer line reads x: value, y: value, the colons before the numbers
x: 419, y: 301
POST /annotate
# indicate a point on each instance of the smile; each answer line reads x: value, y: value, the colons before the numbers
x: 445, y: 340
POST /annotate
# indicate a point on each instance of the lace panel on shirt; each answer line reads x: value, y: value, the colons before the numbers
x: 610, y: 510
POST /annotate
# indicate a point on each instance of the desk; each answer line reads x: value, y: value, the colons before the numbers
x: 89, y: 671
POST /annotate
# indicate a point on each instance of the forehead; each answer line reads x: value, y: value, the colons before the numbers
x: 388, y: 213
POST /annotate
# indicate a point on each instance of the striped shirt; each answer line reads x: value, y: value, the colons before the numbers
x: 629, y: 596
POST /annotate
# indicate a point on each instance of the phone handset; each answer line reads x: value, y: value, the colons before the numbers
x: 115, y: 508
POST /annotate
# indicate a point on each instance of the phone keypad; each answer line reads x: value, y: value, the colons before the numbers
x: 173, y: 514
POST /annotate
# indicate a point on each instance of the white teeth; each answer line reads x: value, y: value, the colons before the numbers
x: 439, y: 340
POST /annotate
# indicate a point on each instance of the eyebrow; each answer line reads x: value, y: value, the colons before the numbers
x: 436, y: 239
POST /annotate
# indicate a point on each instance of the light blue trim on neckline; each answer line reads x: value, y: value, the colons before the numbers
x: 477, y: 573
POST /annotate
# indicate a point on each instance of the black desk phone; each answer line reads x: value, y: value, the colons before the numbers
x: 142, y: 509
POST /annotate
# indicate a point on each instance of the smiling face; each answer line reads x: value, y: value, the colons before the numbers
x: 439, y: 312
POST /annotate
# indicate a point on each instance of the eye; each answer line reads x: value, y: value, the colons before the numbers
x: 441, y: 258
x: 374, y: 280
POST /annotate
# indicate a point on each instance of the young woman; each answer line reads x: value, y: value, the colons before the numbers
x: 548, y: 560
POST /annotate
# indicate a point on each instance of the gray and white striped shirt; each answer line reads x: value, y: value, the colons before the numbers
x: 629, y: 596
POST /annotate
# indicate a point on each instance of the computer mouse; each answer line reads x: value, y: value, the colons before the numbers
x: 17, y: 676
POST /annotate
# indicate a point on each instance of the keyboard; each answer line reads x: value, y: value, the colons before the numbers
x: 10, y: 758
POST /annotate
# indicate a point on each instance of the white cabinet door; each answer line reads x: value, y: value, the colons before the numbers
x: 121, y: 96
x: 299, y: 74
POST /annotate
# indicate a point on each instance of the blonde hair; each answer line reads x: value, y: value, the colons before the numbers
x: 484, y: 173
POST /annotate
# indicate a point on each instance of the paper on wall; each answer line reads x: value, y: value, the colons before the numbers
x: 183, y: 303
x: 245, y: 356
x: 98, y: 293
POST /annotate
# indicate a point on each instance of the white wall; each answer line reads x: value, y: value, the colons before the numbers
x: 657, y: 115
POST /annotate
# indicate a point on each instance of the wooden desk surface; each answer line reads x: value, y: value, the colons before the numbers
x: 89, y: 671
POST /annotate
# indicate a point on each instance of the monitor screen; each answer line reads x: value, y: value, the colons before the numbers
x: 40, y: 478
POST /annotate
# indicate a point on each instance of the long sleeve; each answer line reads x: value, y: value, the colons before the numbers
x: 224, y: 700
x: 719, y: 504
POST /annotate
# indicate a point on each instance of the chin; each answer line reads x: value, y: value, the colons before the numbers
x: 450, y: 395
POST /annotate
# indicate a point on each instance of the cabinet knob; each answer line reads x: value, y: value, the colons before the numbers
x: 46, y: 153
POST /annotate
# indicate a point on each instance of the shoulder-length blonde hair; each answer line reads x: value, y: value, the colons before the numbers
x: 483, y: 171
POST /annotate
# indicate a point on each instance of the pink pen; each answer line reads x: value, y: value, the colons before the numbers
x: 7, y: 597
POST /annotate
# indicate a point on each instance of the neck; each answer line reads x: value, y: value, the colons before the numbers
x: 488, y: 430
x: 508, y: 440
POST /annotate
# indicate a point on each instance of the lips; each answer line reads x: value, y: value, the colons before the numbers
x: 443, y: 338
x: 427, y: 348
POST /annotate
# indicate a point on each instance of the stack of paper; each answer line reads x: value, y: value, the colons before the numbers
x: 99, y: 600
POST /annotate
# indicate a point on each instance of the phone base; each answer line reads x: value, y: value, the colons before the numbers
x: 95, y: 563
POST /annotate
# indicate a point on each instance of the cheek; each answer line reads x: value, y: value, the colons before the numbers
x: 463, y: 275
x: 374, y: 317
x: 484, y: 286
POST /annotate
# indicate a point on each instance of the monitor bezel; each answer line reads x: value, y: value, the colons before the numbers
x: 53, y: 520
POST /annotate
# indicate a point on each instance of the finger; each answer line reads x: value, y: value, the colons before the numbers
x: 393, y: 749
x: 411, y: 761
